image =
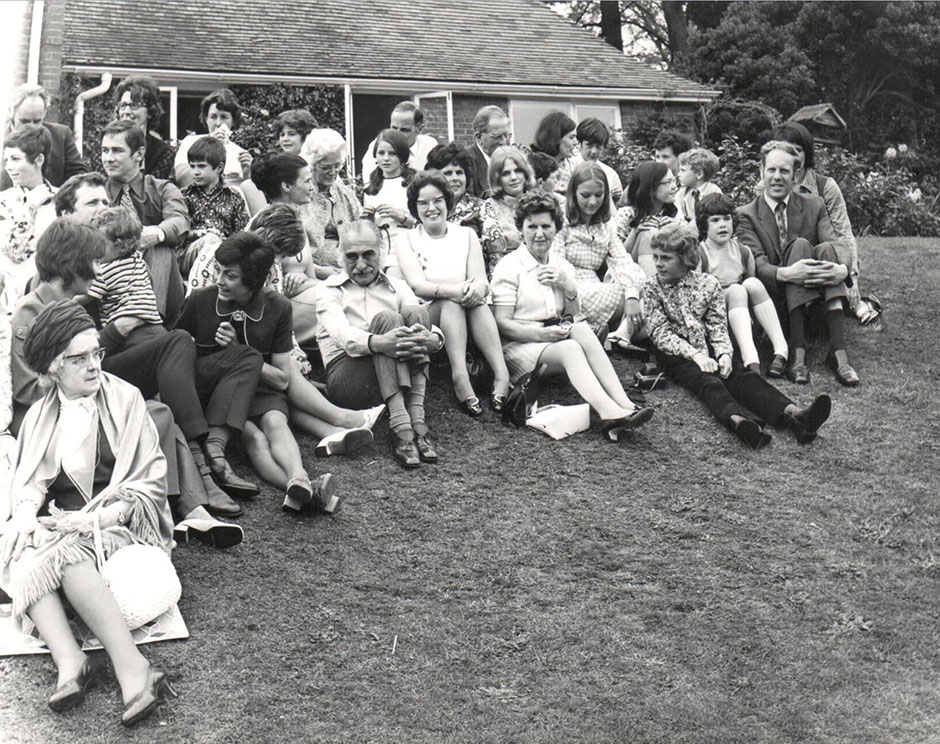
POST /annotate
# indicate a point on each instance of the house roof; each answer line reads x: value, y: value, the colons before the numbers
x: 483, y: 42
x: 824, y: 114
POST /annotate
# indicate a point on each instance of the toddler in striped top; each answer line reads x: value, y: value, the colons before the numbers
x: 123, y: 287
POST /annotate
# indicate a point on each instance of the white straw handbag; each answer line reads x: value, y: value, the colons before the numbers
x: 141, y: 578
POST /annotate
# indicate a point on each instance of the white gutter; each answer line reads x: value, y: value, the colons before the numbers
x: 79, y: 122
x: 386, y: 85
x: 35, y: 39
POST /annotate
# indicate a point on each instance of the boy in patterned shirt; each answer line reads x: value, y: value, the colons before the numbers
x: 685, y: 317
x: 123, y: 287
x: 215, y: 209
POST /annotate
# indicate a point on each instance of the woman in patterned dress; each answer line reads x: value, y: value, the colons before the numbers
x: 588, y: 241
x: 510, y: 177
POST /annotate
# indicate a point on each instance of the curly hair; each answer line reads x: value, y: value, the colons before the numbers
x: 679, y: 239
x: 224, y: 100
x: 428, y: 178
x: 538, y: 202
x: 453, y: 152
x: 121, y: 228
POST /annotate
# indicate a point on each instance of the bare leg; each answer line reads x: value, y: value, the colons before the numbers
x: 306, y: 398
x: 284, y: 447
x: 95, y: 604
x: 453, y: 321
x: 603, y: 371
x: 259, y: 452
x: 486, y: 336
x: 313, y: 425
x: 48, y: 614
x: 567, y: 356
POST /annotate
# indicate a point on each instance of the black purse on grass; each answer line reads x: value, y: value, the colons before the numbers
x: 523, y: 394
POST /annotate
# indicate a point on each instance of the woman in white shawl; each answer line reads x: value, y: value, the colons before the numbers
x: 87, y: 449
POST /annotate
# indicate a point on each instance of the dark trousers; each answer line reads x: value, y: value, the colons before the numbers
x: 164, y: 365
x: 226, y: 382
x: 744, y: 393
x: 360, y: 382
x: 797, y: 295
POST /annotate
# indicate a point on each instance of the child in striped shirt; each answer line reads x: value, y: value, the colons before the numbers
x: 123, y: 287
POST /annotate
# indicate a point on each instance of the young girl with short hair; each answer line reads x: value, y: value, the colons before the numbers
x: 732, y: 263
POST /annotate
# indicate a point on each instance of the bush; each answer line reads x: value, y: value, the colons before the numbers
x: 740, y: 169
x: 747, y: 121
x: 881, y: 195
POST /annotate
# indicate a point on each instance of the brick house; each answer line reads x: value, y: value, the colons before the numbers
x: 450, y: 57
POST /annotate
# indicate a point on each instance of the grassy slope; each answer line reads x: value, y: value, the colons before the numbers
x: 677, y: 588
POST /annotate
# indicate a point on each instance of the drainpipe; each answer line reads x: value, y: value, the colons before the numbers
x: 86, y: 95
x: 35, y: 37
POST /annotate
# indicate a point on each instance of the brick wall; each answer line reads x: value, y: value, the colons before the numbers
x: 465, y: 108
x: 435, y: 118
x: 50, y: 59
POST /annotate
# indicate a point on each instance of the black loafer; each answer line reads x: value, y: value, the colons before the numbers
x: 805, y: 422
x: 798, y: 373
x: 752, y: 434
x: 778, y: 367
x: 426, y: 450
x: 225, y: 478
x: 405, y: 451
x: 845, y: 373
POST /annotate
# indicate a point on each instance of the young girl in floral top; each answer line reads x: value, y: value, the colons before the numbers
x: 587, y: 242
x: 685, y: 316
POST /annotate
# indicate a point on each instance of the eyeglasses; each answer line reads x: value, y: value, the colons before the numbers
x: 502, y: 137
x: 84, y: 360
x: 328, y: 168
x: 131, y: 105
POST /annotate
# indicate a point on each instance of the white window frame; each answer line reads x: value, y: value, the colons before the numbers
x: 569, y: 107
x: 448, y: 97
x: 174, y: 108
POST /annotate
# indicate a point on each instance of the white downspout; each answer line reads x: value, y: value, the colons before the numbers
x: 35, y: 38
x: 79, y: 121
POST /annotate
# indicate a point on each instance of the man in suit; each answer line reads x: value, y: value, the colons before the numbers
x: 798, y: 257
x: 490, y: 130
x: 158, y: 203
x: 30, y: 104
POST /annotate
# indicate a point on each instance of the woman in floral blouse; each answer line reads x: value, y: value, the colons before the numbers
x: 332, y: 206
x: 510, y: 177
x: 685, y: 316
x: 456, y: 165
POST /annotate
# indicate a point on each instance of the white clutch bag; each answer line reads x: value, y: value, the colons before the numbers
x: 560, y: 422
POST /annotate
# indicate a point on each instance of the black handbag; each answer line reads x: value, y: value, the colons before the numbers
x: 523, y: 394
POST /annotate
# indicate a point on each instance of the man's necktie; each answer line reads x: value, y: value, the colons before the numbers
x: 125, y: 200
x: 780, y: 213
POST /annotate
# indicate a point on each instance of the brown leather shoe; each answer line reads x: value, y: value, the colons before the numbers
x: 426, y: 450
x: 778, y: 367
x: 404, y: 450
x: 798, y: 373
x: 805, y: 421
x: 845, y: 373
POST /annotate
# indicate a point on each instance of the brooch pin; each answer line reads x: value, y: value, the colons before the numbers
x: 238, y: 316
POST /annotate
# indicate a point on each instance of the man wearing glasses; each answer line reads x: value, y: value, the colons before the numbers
x: 490, y: 130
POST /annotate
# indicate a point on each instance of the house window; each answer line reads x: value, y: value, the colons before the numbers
x: 525, y: 115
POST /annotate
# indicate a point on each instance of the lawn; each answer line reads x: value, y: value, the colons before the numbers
x: 674, y: 588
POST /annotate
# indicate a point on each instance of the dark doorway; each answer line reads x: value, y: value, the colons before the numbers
x: 370, y: 116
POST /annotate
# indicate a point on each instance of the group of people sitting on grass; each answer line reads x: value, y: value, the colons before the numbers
x: 180, y: 303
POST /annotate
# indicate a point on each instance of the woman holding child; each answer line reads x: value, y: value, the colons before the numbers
x: 88, y: 453
x: 443, y: 263
x: 538, y: 312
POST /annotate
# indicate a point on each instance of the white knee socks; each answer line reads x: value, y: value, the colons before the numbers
x: 740, y: 321
x: 766, y: 315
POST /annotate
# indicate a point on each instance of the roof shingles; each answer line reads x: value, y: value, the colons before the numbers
x: 482, y: 41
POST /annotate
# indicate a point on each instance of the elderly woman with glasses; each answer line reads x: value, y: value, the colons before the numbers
x: 88, y: 453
